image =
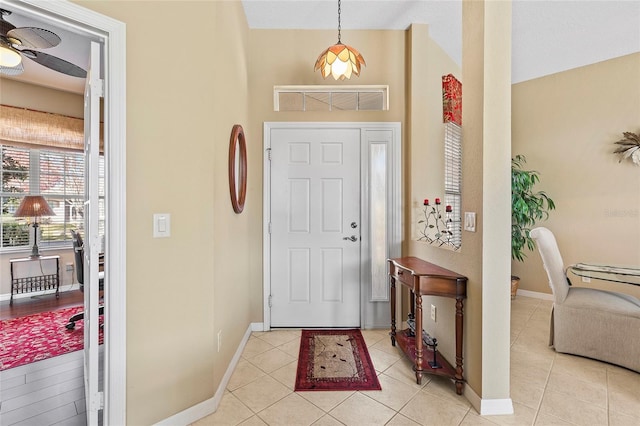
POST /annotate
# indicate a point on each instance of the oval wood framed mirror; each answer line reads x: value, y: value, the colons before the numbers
x: 237, y: 168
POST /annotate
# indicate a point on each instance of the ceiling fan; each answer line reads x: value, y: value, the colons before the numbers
x: 16, y: 43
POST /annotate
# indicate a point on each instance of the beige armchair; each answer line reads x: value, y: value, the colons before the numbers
x: 598, y: 324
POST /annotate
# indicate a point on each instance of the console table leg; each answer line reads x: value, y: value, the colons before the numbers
x: 393, y: 311
x: 418, y: 338
x: 459, y: 330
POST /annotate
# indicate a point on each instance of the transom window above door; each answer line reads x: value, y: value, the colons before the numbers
x: 331, y: 98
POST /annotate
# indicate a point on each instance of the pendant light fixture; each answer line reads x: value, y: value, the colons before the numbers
x: 339, y: 60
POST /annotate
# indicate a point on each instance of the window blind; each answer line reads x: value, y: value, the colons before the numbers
x: 453, y: 178
x: 25, y: 127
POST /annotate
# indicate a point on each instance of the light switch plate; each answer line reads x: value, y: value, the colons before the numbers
x: 161, y: 225
x: 470, y: 221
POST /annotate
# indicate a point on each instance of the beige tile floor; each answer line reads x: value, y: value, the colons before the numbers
x: 547, y: 388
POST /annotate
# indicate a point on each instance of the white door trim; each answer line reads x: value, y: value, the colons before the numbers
x: 92, y: 97
x: 395, y: 188
x: 113, y: 34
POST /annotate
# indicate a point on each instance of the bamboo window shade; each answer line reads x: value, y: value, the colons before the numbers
x: 29, y: 128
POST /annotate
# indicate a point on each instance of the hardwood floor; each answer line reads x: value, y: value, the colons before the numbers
x: 46, y: 392
x: 41, y: 303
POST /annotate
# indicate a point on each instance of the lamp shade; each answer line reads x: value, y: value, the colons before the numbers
x: 341, y: 61
x: 34, y: 206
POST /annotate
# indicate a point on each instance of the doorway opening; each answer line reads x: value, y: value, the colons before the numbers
x: 111, y: 34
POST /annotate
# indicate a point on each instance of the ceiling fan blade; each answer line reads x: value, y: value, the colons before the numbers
x: 17, y: 70
x: 34, y: 38
x: 55, y: 63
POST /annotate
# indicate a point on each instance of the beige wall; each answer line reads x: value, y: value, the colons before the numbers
x: 185, y: 90
x: 566, y: 125
x: 287, y: 57
x: 23, y: 95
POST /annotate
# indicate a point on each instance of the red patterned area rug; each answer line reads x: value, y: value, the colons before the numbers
x: 36, y: 337
x: 335, y: 360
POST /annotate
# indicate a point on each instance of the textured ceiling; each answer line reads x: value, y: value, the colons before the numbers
x: 548, y: 36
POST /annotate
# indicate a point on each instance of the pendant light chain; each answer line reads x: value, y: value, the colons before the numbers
x: 339, y: 26
x: 340, y: 61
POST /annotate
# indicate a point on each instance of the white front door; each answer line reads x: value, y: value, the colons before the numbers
x: 315, y: 227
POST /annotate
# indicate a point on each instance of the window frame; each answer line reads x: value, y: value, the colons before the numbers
x: 36, y: 176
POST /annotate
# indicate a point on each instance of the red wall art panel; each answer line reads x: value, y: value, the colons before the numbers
x: 451, y: 99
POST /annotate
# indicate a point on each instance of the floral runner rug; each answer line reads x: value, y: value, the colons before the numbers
x: 334, y: 360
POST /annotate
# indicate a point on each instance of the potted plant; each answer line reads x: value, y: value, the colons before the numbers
x: 527, y: 208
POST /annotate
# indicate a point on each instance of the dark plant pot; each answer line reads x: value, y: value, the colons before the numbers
x: 515, y: 282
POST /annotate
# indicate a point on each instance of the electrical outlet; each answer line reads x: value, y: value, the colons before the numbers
x: 69, y: 267
x: 433, y: 312
x: 219, y: 340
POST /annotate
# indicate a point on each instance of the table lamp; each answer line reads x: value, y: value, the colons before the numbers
x: 34, y: 206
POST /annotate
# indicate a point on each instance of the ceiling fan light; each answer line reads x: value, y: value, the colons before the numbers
x: 8, y: 56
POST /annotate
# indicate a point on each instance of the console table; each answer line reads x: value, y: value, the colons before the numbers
x: 424, y: 278
x: 30, y: 274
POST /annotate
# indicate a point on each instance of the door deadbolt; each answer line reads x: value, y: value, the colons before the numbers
x: 354, y: 225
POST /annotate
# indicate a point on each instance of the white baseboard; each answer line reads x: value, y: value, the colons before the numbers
x: 209, y: 406
x: 488, y: 407
x: 534, y: 294
x: 496, y: 407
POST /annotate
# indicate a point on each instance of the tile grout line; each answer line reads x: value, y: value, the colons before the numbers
x: 544, y: 391
x: 257, y: 414
x: 546, y: 382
